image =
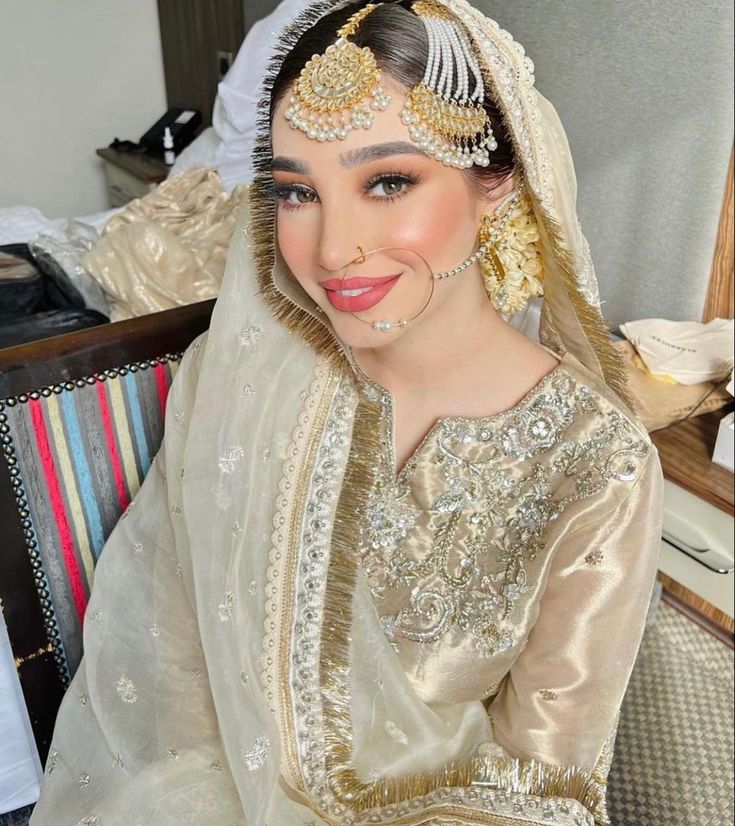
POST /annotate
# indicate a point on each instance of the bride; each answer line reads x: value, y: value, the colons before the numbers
x: 393, y: 561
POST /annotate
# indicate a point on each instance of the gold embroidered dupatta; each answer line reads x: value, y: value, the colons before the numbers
x: 235, y: 671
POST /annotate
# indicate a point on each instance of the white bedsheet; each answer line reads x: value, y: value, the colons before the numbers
x: 20, y: 768
x: 20, y: 224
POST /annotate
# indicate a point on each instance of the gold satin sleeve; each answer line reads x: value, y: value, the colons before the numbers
x: 560, y: 701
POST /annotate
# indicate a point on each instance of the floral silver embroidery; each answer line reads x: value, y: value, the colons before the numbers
x: 487, y: 523
x: 537, y: 427
x: 224, y: 609
x: 315, y: 535
x: 230, y: 459
x: 257, y: 754
x: 396, y: 733
x: 126, y: 690
x: 251, y: 334
x: 548, y: 694
x: 137, y: 547
x: 52, y: 761
x: 594, y: 558
x: 84, y: 780
x: 247, y: 391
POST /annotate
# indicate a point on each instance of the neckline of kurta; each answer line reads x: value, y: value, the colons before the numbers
x: 375, y: 392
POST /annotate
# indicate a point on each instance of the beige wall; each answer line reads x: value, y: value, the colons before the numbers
x: 645, y: 93
x: 73, y: 75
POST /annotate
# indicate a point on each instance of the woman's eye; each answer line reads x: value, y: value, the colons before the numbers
x: 303, y: 196
x: 294, y: 196
x: 390, y: 186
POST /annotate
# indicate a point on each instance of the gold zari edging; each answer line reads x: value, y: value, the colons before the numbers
x: 449, y: 814
x: 287, y: 518
x: 426, y: 8
x: 590, y: 318
x: 294, y: 318
x: 513, y: 775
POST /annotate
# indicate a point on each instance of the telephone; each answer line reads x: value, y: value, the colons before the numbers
x: 183, y: 124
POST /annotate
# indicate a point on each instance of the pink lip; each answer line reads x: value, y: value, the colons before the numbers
x: 356, y: 283
x: 380, y: 287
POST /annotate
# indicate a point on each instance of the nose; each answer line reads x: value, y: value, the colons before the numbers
x: 338, y: 237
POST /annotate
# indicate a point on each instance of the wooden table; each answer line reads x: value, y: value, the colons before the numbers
x: 130, y: 175
x: 685, y: 450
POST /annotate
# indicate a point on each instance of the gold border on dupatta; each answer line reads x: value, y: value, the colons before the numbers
x: 287, y: 520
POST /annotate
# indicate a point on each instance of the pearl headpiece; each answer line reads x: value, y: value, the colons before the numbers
x: 443, y: 118
x: 340, y: 90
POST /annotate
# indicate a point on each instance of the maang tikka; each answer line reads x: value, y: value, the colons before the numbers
x: 337, y: 90
x: 340, y: 90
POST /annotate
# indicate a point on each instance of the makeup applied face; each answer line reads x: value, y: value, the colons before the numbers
x: 363, y: 222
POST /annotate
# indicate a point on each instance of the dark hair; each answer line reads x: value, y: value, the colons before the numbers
x: 398, y: 40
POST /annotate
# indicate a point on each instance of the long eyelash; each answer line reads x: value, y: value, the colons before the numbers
x: 410, y: 178
x: 280, y: 193
x: 281, y: 190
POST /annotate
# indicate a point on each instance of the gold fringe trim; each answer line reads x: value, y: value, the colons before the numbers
x: 590, y: 317
x: 543, y: 780
x: 514, y: 775
x: 263, y: 208
x: 262, y: 228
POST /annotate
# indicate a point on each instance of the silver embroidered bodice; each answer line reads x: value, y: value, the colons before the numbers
x: 456, y: 548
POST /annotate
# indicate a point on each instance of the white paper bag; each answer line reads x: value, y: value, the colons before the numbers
x: 686, y: 351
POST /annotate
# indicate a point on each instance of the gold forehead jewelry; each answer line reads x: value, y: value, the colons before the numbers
x: 340, y: 90
x: 443, y: 118
x: 337, y: 90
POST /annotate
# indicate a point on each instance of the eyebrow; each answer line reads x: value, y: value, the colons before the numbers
x: 358, y: 157
x: 351, y: 158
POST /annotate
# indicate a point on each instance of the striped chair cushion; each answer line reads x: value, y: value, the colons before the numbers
x: 80, y: 451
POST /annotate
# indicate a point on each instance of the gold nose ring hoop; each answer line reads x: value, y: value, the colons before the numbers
x: 361, y: 259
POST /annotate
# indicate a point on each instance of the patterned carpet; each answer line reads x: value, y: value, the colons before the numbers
x: 673, y: 762
x: 674, y: 753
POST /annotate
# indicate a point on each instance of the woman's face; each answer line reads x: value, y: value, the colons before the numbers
x: 376, y: 193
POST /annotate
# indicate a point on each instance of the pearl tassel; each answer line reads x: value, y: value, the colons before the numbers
x: 484, y: 248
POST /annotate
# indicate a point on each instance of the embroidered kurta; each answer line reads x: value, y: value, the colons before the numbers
x: 509, y: 561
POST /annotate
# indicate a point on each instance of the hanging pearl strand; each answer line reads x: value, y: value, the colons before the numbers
x: 461, y: 90
x: 478, y: 94
x: 483, y: 249
x: 447, y: 76
x: 432, y: 67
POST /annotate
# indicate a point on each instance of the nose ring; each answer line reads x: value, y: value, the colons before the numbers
x: 361, y: 259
